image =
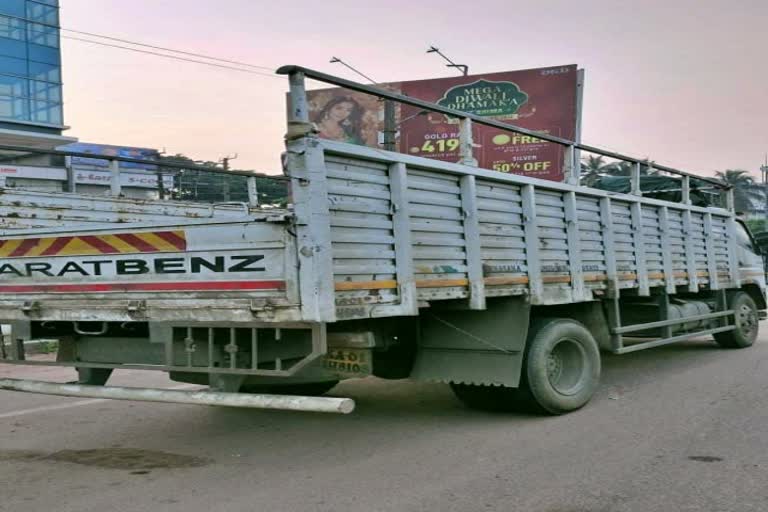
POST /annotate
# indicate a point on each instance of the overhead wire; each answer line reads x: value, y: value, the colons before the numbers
x: 158, y: 54
x: 163, y: 48
x: 175, y: 57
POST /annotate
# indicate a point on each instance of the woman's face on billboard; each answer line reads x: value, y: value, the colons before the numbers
x: 340, y: 111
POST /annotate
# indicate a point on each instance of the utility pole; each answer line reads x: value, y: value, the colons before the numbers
x: 390, y: 127
x: 461, y: 67
x: 225, y: 183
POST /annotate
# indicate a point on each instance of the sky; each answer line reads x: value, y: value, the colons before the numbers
x: 683, y: 82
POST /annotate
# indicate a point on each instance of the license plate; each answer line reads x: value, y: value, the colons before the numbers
x: 348, y: 361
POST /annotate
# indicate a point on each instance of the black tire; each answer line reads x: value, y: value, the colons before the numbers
x: 562, y: 365
x: 553, y: 383
x: 746, y: 321
x: 303, y: 389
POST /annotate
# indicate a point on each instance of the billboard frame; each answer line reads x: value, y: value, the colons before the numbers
x: 550, y: 104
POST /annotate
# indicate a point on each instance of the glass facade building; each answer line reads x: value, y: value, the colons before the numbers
x: 30, y: 66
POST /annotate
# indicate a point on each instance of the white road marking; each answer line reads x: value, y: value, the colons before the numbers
x: 70, y: 405
x: 24, y: 412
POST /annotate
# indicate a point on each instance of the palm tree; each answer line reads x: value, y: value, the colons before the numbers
x: 595, y: 167
x: 622, y: 168
x: 619, y: 169
x: 745, y: 190
x: 592, y: 167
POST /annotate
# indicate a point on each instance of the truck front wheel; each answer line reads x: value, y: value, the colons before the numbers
x: 560, y: 373
x: 745, y: 323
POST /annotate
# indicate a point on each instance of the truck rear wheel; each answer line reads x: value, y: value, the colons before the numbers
x: 303, y: 389
x: 745, y: 320
x: 561, y: 371
x: 562, y: 365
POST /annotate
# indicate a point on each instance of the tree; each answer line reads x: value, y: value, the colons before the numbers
x: 592, y: 167
x: 745, y: 191
x: 756, y: 225
x: 595, y: 167
x: 622, y: 168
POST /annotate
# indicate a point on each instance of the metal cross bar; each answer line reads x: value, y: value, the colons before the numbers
x: 673, y: 339
x: 666, y: 323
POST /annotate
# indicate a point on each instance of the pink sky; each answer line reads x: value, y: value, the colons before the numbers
x: 666, y: 79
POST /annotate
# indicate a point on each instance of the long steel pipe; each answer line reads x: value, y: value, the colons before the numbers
x: 281, y: 402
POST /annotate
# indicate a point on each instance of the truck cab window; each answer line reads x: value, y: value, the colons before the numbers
x: 743, y: 238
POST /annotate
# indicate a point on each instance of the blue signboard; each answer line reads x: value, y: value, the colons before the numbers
x: 108, y: 150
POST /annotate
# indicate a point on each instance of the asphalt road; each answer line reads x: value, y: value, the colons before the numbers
x: 680, y: 428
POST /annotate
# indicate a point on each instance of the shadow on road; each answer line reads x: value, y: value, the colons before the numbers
x: 405, y: 409
x: 393, y: 420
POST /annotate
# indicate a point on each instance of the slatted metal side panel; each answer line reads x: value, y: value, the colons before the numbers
x: 720, y: 242
x: 553, y: 241
x: 529, y: 237
x: 361, y: 232
x: 502, y: 238
x: 677, y: 246
x: 653, y: 246
x: 437, y: 235
x: 591, y: 236
x: 624, y: 247
x: 699, y: 244
x: 25, y: 209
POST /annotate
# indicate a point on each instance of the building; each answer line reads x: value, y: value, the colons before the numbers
x: 92, y: 175
x: 31, y: 103
x: 32, y: 114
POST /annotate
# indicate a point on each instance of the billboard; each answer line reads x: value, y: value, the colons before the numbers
x: 109, y: 150
x: 346, y: 116
x: 543, y: 100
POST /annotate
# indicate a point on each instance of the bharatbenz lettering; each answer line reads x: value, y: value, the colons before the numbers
x: 124, y: 267
x: 505, y: 287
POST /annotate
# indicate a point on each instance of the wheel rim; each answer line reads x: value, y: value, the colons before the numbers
x: 567, y: 366
x: 746, y: 321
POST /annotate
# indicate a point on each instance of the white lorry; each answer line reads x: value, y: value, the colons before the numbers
x: 505, y: 287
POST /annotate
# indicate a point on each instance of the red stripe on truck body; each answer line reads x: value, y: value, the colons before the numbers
x: 188, y: 286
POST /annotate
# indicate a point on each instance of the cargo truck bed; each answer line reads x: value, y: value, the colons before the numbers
x: 372, y: 234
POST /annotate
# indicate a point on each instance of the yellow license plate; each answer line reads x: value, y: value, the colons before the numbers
x: 348, y: 361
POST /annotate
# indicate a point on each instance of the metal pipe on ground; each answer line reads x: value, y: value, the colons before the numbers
x: 279, y: 402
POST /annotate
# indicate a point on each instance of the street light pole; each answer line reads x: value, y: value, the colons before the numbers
x: 463, y: 68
